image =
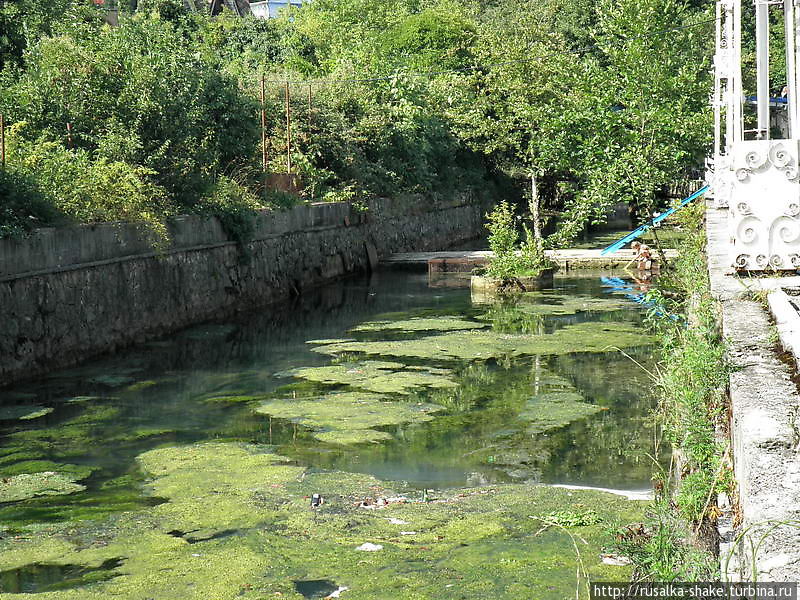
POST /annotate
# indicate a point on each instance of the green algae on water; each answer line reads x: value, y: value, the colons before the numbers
x: 234, y: 399
x: 348, y: 417
x: 376, y: 376
x: 141, y: 385
x: 352, y: 437
x: 46, y: 483
x: 253, y: 532
x: 23, y: 412
x: 420, y: 324
x: 113, y: 381
x: 329, y: 341
x: 483, y: 345
x: 82, y: 399
x: 567, y: 304
x: 551, y: 410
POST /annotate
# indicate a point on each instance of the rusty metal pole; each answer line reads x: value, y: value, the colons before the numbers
x: 288, y: 132
x: 2, y: 141
x: 263, y: 126
x: 310, y: 115
x: 69, y: 136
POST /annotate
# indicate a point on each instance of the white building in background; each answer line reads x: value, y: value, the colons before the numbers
x: 269, y: 9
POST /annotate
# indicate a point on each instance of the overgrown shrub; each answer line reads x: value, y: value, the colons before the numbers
x: 138, y: 94
x: 510, y: 260
x: 24, y: 207
x: 72, y: 184
x: 235, y: 206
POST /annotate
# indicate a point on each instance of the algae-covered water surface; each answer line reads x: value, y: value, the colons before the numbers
x: 432, y: 428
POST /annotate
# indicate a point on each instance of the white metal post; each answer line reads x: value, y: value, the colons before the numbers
x: 791, y: 16
x: 736, y: 94
x: 717, y: 99
x: 762, y: 68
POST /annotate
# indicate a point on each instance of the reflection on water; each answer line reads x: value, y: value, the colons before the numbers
x: 198, y: 385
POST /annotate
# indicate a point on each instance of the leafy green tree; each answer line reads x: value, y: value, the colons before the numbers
x: 659, y: 83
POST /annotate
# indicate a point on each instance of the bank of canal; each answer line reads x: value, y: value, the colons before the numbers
x: 184, y: 468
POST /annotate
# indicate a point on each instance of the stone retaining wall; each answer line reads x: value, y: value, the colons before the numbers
x: 70, y: 293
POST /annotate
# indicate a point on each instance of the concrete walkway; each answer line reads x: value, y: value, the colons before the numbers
x: 566, y: 259
x: 764, y: 419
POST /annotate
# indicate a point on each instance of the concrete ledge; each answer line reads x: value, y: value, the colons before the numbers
x: 568, y: 259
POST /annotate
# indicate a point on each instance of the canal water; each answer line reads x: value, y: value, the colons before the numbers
x: 235, y: 380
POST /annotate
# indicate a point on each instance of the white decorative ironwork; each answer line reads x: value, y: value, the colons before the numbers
x: 765, y: 206
x: 755, y: 177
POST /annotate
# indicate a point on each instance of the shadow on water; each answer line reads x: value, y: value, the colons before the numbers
x: 203, y: 384
x: 38, y: 578
x: 320, y: 588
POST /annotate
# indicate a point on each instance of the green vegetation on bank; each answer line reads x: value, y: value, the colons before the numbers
x: 161, y: 114
x: 692, y: 379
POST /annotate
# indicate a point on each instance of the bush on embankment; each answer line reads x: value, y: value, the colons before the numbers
x: 680, y: 539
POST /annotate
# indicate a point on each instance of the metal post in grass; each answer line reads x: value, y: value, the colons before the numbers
x: 288, y: 132
x: 2, y: 141
x: 310, y: 114
x: 263, y: 126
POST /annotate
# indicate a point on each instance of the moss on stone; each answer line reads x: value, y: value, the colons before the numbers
x: 482, y: 345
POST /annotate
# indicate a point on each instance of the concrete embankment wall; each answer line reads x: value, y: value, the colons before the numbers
x: 764, y: 409
x: 70, y: 293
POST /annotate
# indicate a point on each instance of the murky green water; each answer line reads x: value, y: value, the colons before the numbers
x: 562, y: 416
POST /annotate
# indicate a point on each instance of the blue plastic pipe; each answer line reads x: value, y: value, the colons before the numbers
x: 655, y: 221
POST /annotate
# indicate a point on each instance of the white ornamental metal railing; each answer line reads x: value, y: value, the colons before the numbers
x: 752, y: 173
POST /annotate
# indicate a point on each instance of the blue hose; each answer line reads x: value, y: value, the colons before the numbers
x: 655, y: 221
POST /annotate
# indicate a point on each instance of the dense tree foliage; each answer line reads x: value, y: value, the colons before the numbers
x: 595, y: 102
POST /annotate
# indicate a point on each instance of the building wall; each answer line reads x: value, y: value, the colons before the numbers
x: 269, y: 9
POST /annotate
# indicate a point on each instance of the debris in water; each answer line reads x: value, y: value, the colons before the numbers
x: 615, y: 560
x: 368, y: 547
x: 337, y: 593
x: 317, y: 501
x: 394, y: 521
x: 372, y: 503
